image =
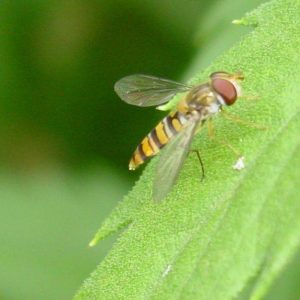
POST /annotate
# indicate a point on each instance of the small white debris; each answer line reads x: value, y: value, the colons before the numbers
x: 167, y: 270
x: 239, y: 165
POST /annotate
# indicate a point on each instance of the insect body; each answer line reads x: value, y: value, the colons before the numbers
x: 176, y: 130
x: 158, y: 138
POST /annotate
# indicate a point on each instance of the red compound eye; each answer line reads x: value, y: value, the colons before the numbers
x: 226, y: 89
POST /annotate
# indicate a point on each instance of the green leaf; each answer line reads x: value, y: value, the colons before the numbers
x: 208, y: 240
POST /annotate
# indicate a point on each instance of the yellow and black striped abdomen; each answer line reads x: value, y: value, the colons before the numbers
x: 157, y: 138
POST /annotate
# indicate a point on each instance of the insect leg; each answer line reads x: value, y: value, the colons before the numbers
x: 249, y: 97
x: 236, y: 119
x: 200, y: 161
x: 211, y: 129
x: 212, y: 136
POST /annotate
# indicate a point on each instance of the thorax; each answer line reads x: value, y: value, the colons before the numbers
x: 200, y: 99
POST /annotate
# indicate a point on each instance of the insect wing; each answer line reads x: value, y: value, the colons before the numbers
x: 171, y: 161
x: 145, y: 90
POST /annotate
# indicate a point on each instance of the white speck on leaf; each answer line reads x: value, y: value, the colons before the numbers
x: 239, y: 165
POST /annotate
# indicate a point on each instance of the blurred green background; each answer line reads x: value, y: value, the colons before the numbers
x: 65, y: 137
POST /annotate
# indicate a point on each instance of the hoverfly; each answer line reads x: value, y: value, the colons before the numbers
x: 200, y: 103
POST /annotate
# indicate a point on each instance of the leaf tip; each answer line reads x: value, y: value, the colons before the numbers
x: 238, y: 22
x: 161, y: 107
x: 244, y: 22
x: 106, y: 231
x: 95, y: 241
x: 165, y: 107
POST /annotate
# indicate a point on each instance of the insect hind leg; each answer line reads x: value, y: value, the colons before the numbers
x: 201, y: 163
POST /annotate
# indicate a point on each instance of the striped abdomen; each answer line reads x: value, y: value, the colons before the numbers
x: 157, y: 138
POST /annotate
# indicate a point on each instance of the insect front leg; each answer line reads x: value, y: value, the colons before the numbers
x: 250, y: 97
x: 236, y: 119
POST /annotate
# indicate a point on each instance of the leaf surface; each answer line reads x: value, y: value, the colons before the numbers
x: 208, y: 240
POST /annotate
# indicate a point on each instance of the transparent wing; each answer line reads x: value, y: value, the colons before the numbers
x: 171, y: 161
x: 145, y: 90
